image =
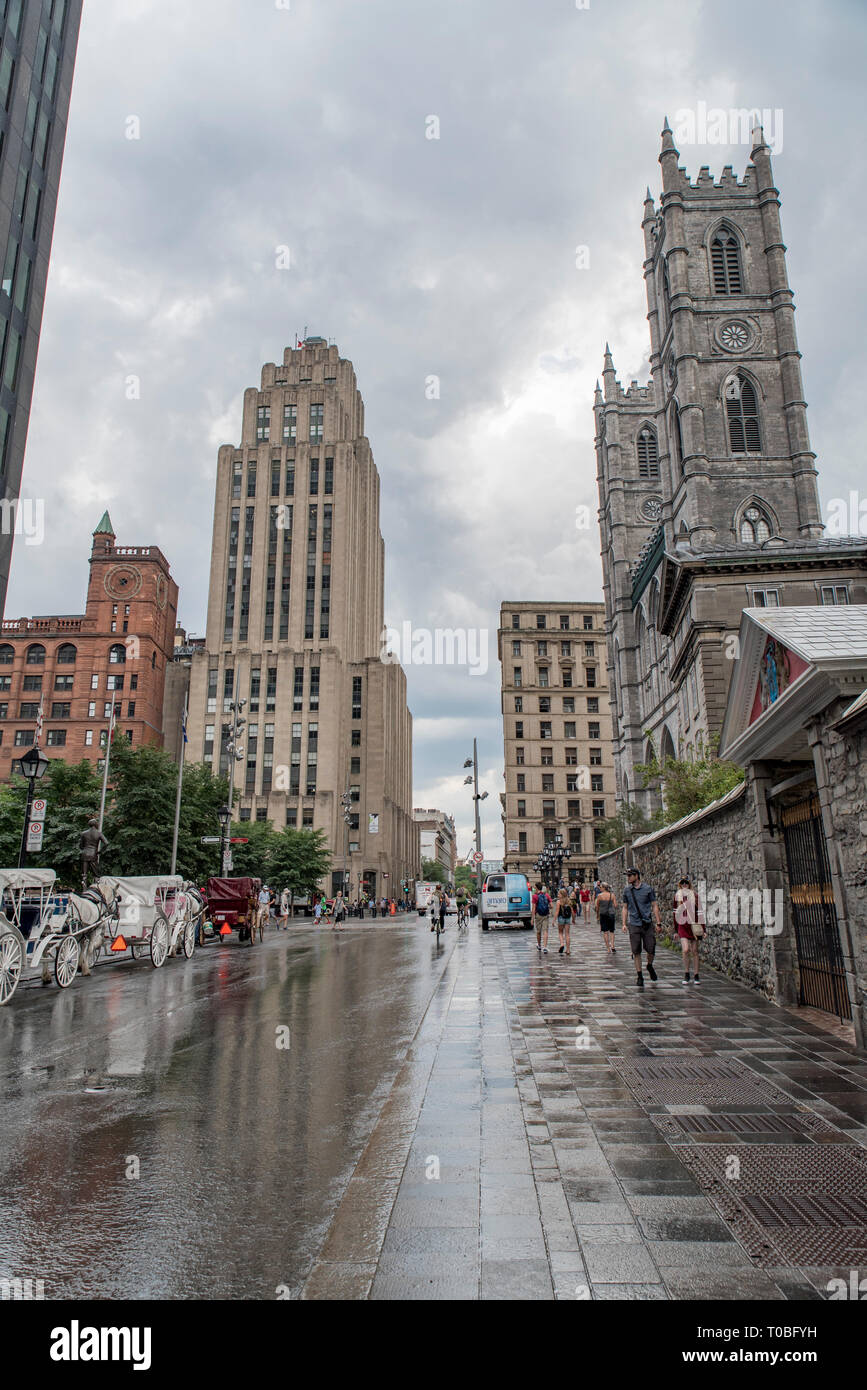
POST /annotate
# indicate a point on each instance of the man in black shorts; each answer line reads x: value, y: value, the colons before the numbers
x: 640, y: 918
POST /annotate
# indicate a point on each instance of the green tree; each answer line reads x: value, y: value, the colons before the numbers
x: 201, y: 798
x: 689, y: 784
x: 466, y: 878
x: 13, y: 797
x: 432, y: 871
x: 298, y: 859
x: 73, y: 792
x: 141, y: 812
x: 253, y: 860
x: 629, y: 822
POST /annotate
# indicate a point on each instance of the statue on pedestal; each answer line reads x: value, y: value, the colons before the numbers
x: 92, y: 840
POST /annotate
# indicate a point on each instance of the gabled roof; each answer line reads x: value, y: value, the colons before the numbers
x: 831, y: 647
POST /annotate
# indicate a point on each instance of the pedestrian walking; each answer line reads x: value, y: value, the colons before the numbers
x: 541, y: 905
x: 585, y: 896
x: 640, y: 916
x: 317, y: 911
x: 606, y: 906
x: 339, y: 911
x: 383, y: 906
x: 565, y: 917
x: 285, y: 909
x: 690, y: 926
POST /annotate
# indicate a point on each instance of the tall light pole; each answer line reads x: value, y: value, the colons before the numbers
x: 180, y: 786
x: 105, y: 762
x: 236, y: 754
x: 224, y: 816
x: 346, y: 803
x: 477, y: 797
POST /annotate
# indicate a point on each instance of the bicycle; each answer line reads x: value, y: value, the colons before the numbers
x: 463, y: 915
x: 439, y: 925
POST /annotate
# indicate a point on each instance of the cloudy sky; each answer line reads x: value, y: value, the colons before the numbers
x: 304, y: 123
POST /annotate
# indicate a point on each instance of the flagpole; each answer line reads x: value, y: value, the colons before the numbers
x: 180, y: 784
x: 105, y: 766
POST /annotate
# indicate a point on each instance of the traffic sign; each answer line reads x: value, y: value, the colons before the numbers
x: 35, y: 829
x: 238, y: 840
x: 210, y: 840
x: 478, y: 857
x: 38, y: 809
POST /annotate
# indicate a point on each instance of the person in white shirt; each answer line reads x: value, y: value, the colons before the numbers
x: 285, y: 907
x: 264, y: 909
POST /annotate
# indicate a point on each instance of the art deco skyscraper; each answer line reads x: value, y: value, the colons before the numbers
x: 37, y: 58
x: 295, y: 624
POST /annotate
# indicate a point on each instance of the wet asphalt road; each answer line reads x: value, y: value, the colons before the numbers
x: 243, y: 1147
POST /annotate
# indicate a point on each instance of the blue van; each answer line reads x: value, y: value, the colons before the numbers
x: 506, y: 898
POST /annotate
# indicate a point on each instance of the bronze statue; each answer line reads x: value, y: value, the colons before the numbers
x: 89, y: 845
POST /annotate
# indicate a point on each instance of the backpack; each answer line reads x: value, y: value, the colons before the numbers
x: 543, y: 903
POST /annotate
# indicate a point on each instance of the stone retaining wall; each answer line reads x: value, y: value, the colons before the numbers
x: 721, y: 846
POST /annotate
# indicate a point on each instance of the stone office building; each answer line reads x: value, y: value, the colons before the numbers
x: 295, y: 624
x: 708, y: 499
x: 557, y: 732
x: 438, y: 838
x: 73, y: 668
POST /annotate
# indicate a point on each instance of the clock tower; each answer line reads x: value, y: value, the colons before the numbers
x: 708, y: 496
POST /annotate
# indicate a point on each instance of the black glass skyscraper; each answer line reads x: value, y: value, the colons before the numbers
x: 37, y: 58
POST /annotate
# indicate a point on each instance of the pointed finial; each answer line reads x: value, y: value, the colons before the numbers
x: 597, y: 394
x: 667, y: 138
x: 648, y: 196
x: 758, y: 138
x: 104, y: 526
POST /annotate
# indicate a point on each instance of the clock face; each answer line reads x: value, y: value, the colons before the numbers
x: 122, y: 581
x: 651, y: 508
x: 162, y: 592
x: 734, y: 335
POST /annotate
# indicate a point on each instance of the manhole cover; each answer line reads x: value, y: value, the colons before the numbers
x: 700, y: 1080
x: 802, y: 1204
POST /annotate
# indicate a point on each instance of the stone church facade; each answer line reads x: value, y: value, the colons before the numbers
x: 708, y: 497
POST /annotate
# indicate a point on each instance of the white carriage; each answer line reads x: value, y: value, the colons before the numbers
x: 40, y: 930
x: 154, y: 916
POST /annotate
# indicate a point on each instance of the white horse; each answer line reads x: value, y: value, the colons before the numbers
x: 92, y: 908
x: 192, y: 908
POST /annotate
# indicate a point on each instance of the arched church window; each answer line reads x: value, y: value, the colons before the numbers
x: 755, y: 525
x: 742, y: 412
x: 725, y: 260
x: 648, y: 453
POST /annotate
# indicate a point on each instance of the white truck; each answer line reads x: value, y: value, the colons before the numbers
x: 425, y: 891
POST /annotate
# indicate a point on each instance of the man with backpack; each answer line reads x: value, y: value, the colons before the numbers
x: 541, y: 914
x: 640, y: 912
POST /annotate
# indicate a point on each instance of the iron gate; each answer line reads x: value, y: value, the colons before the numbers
x: 820, y: 958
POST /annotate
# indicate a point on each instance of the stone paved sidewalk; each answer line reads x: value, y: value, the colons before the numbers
x: 555, y: 1133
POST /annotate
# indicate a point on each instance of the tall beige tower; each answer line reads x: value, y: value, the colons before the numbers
x: 295, y: 623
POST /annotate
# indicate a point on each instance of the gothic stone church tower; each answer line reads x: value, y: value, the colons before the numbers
x: 708, y: 500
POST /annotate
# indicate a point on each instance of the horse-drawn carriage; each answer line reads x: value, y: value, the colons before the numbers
x: 153, y: 915
x: 42, y: 930
x: 232, y: 906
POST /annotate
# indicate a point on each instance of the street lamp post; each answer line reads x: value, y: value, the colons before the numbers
x: 477, y: 797
x: 346, y: 803
x: 224, y: 815
x: 235, y: 752
x: 32, y: 765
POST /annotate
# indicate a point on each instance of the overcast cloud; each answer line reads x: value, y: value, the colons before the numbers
x: 264, y: 125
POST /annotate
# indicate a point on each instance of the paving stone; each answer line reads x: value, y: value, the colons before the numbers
x: 619, y: 1262
x: 516, y: 1279
x: 639, y: 1293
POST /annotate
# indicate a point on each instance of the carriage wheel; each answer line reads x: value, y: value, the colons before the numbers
x: 159, y: 942
x: 66, y: 961
x: 189, y: 939
x: 11, y: 962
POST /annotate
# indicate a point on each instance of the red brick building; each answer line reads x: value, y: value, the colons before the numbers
x: 77, y: 667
